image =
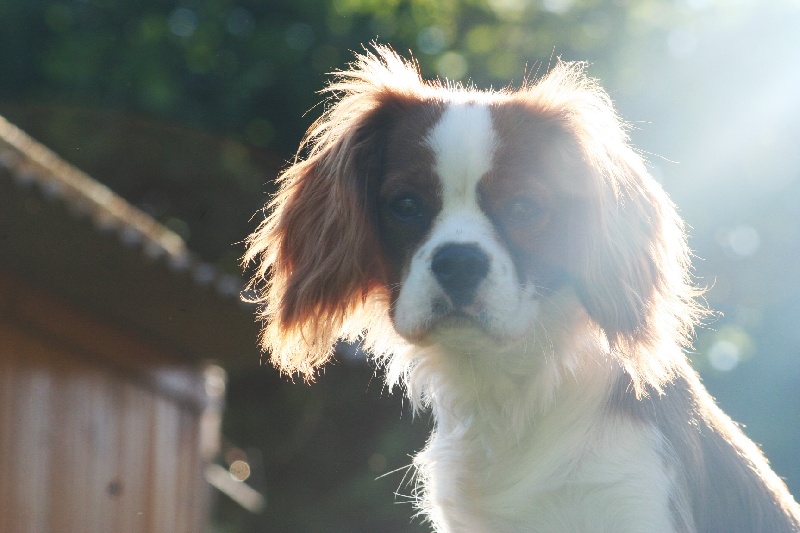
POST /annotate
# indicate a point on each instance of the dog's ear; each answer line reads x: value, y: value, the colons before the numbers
x: 634, y: 277
x: 631, y: 262
x: 318, y: 275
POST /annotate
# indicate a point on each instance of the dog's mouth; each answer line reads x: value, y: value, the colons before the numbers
x: 442, y: 321
x: 465, y: 317
x: 457, y: 320
x: 465, y: 333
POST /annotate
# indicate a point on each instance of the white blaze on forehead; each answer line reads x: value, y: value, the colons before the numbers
x: 463, y: 144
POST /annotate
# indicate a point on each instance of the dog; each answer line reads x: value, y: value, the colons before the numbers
x: 507, y: 258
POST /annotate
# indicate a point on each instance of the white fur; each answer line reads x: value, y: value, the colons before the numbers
x: 463, y: 143
x: 571, y: 473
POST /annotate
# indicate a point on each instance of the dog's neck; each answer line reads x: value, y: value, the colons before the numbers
x: 505, y: 420
x: 508, y: 391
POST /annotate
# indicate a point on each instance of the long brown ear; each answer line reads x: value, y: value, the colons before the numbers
x: 636, y: 282
x: 318, y: 276
x: 632, y: 263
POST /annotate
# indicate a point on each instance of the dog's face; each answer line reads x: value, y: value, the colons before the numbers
x: 476, y: 204
x: 442, y: 209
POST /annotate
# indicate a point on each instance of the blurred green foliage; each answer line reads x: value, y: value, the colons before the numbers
x: 189, y: 108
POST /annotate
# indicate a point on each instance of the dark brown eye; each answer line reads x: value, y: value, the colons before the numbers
x: 406, y: 208
x: 523, y: 210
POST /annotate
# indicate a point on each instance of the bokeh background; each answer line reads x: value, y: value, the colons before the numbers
x: 189, y: 108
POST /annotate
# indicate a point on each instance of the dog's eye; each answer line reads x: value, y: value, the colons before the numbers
x: 523, y: 210
x: 406, y: 208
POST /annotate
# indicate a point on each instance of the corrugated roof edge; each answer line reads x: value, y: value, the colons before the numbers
x: 30, y: 162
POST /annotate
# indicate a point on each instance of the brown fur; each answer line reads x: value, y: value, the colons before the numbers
x: 317, y: 267
x: 627, y: 255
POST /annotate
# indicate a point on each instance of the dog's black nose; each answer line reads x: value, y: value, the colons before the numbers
x: 459, y: 269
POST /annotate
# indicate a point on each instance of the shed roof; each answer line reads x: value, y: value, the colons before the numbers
x: 66, y: 232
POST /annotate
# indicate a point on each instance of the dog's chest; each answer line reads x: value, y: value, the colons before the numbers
x: 615, y: 479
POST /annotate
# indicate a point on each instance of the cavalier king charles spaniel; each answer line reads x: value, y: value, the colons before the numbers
x: 507, y: 258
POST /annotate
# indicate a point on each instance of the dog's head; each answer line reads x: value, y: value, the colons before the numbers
x: 448, y: 210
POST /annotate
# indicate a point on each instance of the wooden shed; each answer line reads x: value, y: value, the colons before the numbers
x: 110, y: 336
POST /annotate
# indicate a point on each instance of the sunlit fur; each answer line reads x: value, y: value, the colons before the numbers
x: 561, y: 396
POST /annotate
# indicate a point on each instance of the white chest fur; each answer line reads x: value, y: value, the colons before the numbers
x: 575, y: 467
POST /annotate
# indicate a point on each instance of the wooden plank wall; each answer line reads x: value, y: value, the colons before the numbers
x: 90, y: 444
